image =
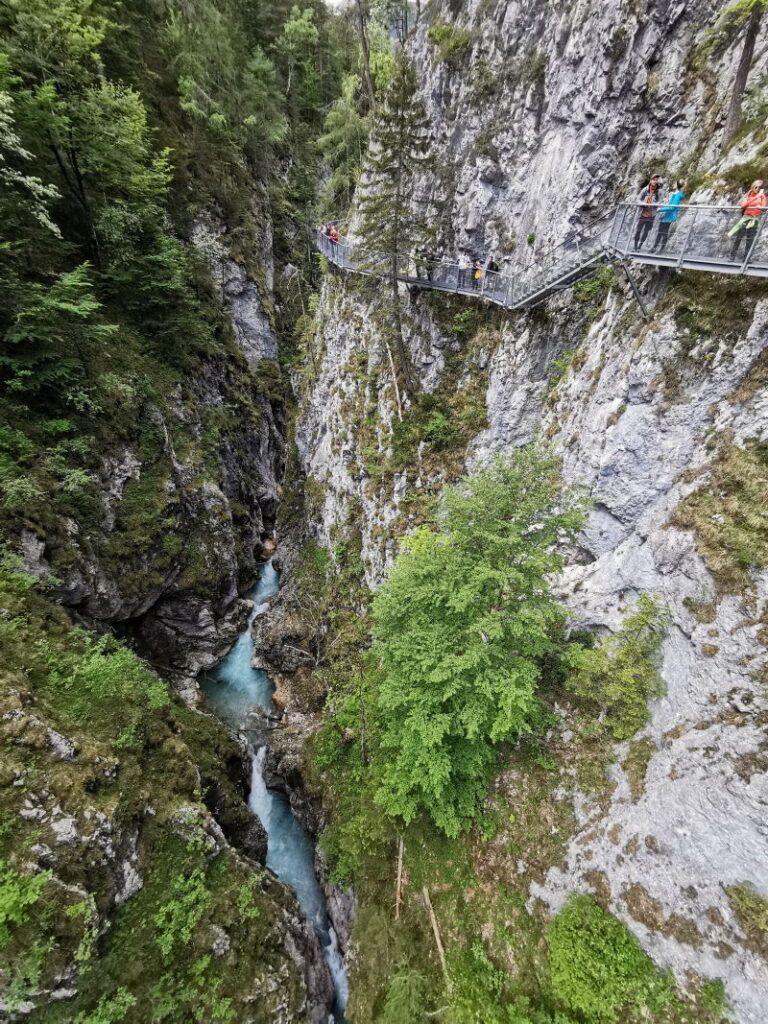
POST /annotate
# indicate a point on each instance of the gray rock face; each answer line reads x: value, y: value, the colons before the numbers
x: 242, y: 295
x: 179, y: 595
x: 638, y: 416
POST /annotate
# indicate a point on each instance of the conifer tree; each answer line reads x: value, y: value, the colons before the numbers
x: 746, y: 14
x: 389, y: 226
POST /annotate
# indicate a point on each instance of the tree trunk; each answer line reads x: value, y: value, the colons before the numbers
x: 733, y: 119
x: 399, y: 887
x: 394, y: 381
x: 399, y: 331
x: 438, y: 940
x: 362, y: 24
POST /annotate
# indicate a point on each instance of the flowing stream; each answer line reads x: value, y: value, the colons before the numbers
x: 232, y: 690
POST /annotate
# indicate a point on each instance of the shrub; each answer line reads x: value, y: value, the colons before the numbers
x: 110, y: 1010
x: 451, y: 42
x: 177, y: 919
x: 18, y: 893
x: 620, y: 673
x: 598, y: 968
x: 104, y: 685
x: 438, y: 431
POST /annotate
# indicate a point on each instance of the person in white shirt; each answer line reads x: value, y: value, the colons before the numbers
x: 464, y: 265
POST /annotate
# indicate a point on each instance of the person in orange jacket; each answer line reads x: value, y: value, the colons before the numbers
x: 752, y: 208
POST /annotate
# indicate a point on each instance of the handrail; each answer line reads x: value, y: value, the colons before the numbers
x: 710, y: 240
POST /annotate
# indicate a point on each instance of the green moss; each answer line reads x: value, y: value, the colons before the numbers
x: 751, y: 908
x: 636, y: 764
x: 727, y: 516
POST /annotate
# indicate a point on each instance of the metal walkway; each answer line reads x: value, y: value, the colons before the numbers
x: 699, y: 239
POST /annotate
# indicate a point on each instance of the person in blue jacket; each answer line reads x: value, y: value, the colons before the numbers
x: 668, y: 215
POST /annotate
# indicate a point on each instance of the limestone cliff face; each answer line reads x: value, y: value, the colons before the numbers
x: 543, y: 122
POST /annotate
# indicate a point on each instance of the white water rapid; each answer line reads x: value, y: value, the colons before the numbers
x: 232, y: 689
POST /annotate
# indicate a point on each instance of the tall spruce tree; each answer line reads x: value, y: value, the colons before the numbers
x: 389, y: 226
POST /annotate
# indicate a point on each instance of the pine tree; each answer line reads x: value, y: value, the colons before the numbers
x: 389, y: 226
x: 746, y: 14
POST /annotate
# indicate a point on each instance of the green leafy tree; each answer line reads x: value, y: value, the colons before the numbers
x: 362, y: 21
x: 399, y: 16
x: 298, y: 44
x: 16, y: 187
x: 46, y: 351
x: 389, y: 226
x: 461, y: 625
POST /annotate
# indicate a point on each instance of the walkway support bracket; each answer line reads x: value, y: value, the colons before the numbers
x: 635, y: 289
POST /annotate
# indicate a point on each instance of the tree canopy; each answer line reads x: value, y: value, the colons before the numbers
x: 461, y: 626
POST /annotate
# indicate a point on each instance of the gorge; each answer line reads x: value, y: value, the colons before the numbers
x: 495, y: 749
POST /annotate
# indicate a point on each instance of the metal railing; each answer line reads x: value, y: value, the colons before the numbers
x: 507, y: 290
x: 699, y: 237
x: 694, y: 236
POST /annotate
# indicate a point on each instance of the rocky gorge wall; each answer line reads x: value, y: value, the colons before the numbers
x: 184, y: 516
x: 541, y: 121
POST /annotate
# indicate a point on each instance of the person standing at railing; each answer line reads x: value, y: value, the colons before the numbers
x: 649, y: 199
x: 432, y: 259
x: 668, y: 215
x: 464, y: 265
x: 419, y: 259
x: 491, y: 273
x: 477, y: 274
x: 333, y: 235
x: 752, y: 208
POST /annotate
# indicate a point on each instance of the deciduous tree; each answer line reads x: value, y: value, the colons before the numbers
x: 461, y: 625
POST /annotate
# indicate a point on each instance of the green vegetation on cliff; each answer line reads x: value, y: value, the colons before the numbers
x: 112, y: 782
x: 462, y: 625
x: 129, y: 420
x: 467, y: 604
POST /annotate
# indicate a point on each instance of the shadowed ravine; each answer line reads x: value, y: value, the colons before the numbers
x: 232, y: 690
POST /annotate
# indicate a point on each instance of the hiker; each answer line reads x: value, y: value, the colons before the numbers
x: 463, y: 268
x: 491, y: 272
x: 648, y: 199
x: 333, y: 237
x: 419, y: 258
x: 432, y: 260
x: 668, y: 214
x: 752, y: 206
x: 477, y: 274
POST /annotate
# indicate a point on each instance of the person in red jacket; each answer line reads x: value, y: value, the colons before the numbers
x: 752, y: 208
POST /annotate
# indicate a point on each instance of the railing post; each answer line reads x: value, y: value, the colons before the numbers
x: 684, y: 246
x: 752, y: 244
